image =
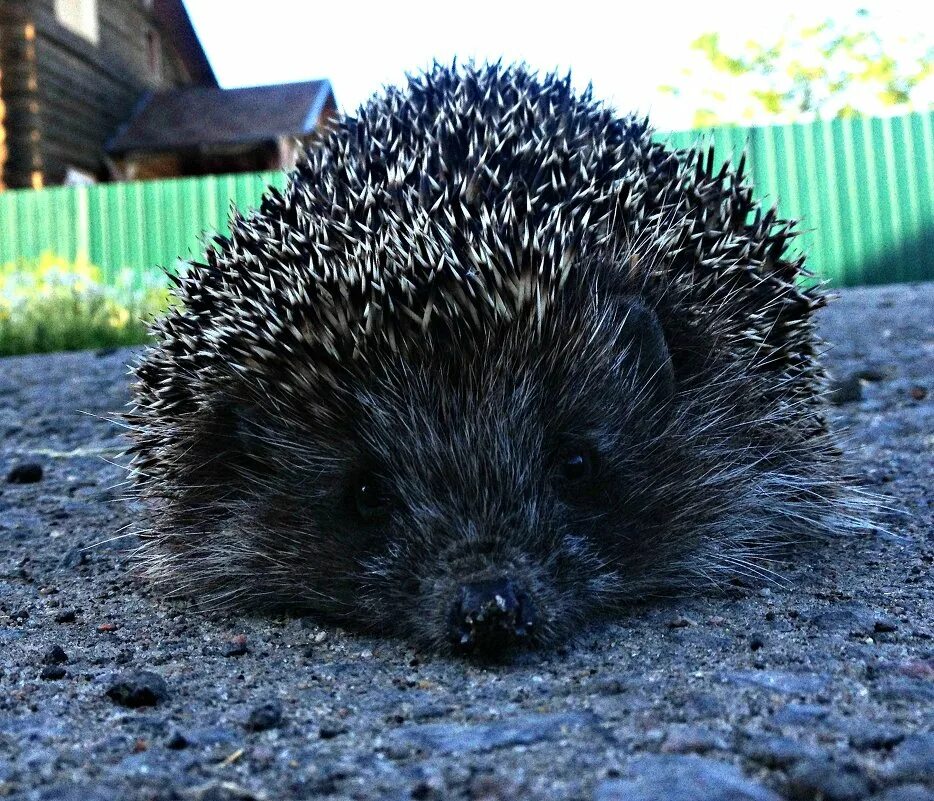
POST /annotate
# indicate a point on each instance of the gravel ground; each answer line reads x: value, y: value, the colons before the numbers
x: 822, y: 688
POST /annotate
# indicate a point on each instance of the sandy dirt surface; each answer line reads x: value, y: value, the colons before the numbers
x: 818, y: 688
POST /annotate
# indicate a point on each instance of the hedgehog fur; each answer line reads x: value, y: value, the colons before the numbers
x: 489, y: 331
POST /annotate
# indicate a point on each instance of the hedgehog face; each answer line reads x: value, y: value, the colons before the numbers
x: 467, y: 502
x: 485, y: 493
x: 497, y: 487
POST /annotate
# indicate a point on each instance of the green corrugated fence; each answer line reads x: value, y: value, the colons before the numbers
x: 863, y: 188
x: 138, y: 224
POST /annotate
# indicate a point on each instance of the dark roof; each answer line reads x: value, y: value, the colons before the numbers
x: 175, y: 22
x: 194, y: 116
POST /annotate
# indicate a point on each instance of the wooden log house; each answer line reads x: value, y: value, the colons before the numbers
x: 94, y: 90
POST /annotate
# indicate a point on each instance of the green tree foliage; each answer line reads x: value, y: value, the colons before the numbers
x: 833, y: 68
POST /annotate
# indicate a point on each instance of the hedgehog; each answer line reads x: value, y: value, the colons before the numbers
x: 495, y: 364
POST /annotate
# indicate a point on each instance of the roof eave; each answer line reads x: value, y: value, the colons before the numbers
x: 316, y: 108
x: 174, y: 18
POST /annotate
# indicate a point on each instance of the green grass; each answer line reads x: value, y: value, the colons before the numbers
x: 51, y: 304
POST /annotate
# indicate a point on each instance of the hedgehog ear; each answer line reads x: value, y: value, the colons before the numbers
x: 647, y: 351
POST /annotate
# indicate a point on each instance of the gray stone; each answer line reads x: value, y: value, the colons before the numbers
x: 825, y: 780
x: 452, y: 738
x: 80, y: 792
x: 905, y: 792
x: 875, y: 373
x: 795, y: 714
x: 222, y: 791
x: 428, y: 711
x: 25, y: 473
x: 685, y: 778
x: 684, y: 739
x: 864, y: 735
x: 138, y: 688
x: 904, y: 688
x: 850, y: 618
x: 213, y: 735
x: 267, y: 715
x: 779, y: 681
x: 913, y: 758
x: 773, y: 750
x: 74, y: 557
x: 847, y: 389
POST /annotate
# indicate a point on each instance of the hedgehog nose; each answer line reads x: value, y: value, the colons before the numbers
x: 490, y: 616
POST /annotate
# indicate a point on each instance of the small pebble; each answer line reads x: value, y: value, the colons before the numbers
x: 686, y: 739
x: 138, y: 688
x: 680, y: 623
x: 331, y: 729
x: 177, y: 741
x: 866, y: 736
x: 68, y: 616
x: 26, y: 473
x: 53, y: 673
x: 425, y: 791
x: 609, y: 685
x: 677, y: 777
x: 222, y: 791
x: 875, y: 373
x: 73, y: 557
x: 236, y: 646
x: 774, y: 750
x: 913, y: 758
x: 795, y: 714
x: 824, y: 780
x: 918, y: 393
x: 265, y: 716
x: 845, y: 390
x: 55, y: 656
x: 905, y: 792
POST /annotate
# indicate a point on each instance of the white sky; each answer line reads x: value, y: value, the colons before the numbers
x: 626, y: 49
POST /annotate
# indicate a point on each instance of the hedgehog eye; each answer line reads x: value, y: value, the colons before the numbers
x: 371, y: 500
x: 578, y: 466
